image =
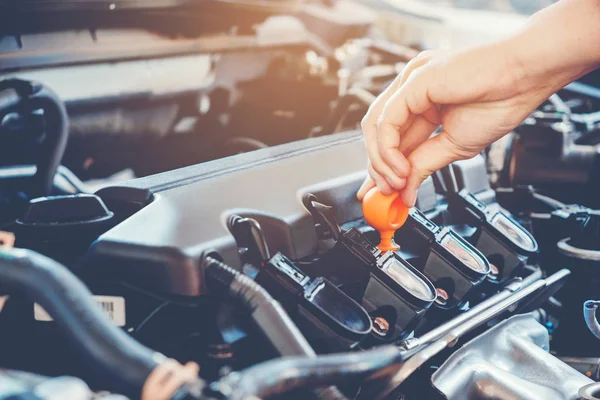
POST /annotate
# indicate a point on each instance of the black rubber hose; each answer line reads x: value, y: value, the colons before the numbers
x: 123, y: 360
x: 286, y: 374
x: 9, y: 99
x: 34, y: 97
x: 55, y: 142
x: 268, y: 314
x: 266, y: 311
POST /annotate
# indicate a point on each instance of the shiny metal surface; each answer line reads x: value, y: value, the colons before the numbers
x: 589, y: 315
x: 451, y: 338
x: 436, y: 333
x: 418, y: 351
x: 514, y: 232
x: 567, y: 249
x: 408, y: 280
x: 509, y: 362
x: 590, y: 392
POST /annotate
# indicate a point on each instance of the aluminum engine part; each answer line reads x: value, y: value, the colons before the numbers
x: 509, y: 362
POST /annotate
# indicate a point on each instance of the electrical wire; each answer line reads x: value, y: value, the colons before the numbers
x: 161, y: 306
x: 267, y: 313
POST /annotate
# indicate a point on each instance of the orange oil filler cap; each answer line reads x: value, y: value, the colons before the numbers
x: 386, y: 214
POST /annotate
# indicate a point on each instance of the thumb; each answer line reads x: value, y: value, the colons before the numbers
x: 432, y: 155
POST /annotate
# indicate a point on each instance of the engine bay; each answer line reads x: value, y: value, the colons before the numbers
x: 238, y: 264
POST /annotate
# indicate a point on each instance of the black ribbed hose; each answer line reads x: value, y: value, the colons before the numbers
x: 268, y: 314
x: 31, y: 97
x: 123, y: 360
x: 55, y: 143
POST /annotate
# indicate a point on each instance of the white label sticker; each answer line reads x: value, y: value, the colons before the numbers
x: 113, y: 307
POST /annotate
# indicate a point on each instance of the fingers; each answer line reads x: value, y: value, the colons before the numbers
x: 388, y: 145
x: 410, y: 99
x: 383, y: 176
x: 388, y: 165
x: 167, y: 378
x: 432, y: 155
x: 382, y: 184
x: 367, y: 185
x: 418, y: 132
x: 403, y: 119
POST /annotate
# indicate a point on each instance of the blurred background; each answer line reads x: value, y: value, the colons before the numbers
x: 154, y: 85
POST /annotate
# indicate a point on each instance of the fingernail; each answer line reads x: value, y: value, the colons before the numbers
x: 360, y: 194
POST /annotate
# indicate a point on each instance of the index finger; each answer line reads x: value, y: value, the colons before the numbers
x: 411, y: 99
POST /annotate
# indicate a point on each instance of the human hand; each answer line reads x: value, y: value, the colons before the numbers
x: 476, y: 95
x: 477, y: 99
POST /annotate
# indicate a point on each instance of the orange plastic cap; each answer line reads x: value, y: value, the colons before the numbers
x: 386, y: 214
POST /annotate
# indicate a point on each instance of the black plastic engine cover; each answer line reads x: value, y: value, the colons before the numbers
x: 160, y: 247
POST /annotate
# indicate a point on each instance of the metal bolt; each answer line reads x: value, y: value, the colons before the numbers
x: 494, y: 270
x: 7, y: 239
x: 442, y: 296
x: 494, y: 273
x: 381, y: 326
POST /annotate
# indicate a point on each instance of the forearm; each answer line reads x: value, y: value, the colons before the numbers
x: 559, y: 44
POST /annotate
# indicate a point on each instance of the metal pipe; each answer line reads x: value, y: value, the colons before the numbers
x: 549, y: 201
x: 590, y: 392
x: 567, y: 249
x: 584, y: 365
x: 451, y: 338
x: 589, y: 315
x: 286, y: 374
x: 559, y: 104
x: 413, y: 343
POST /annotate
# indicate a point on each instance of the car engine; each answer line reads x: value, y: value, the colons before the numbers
x: 174, y: 225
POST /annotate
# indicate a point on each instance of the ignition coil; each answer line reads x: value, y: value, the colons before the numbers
x: 453, y: 265
x: 395, y: 293
x: 322, y: 311
x: 500, y: 238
